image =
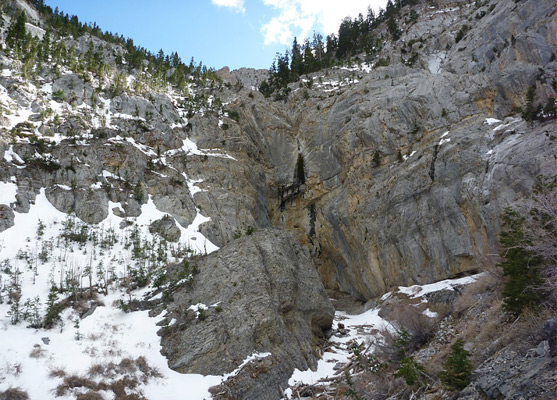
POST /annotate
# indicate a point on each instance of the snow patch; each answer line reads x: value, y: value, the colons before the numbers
x: 491, y: 121
x: 448, y: 284
x: 8, y: 191
x: 434, y: 62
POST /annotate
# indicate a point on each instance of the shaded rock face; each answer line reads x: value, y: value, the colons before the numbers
x: 90, y: 206
x: 6, y: 217
x: 167, y: 228
x: 72, y: 88
x: 263, y: 295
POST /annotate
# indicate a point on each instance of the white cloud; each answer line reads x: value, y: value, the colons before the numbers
x: 236, y: 5
x: 300, y: 17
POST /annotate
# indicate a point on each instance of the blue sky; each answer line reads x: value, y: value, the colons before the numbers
x: 237, y: 33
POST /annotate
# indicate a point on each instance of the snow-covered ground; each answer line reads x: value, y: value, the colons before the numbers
x: 35, y: 255
x: 366, y: 329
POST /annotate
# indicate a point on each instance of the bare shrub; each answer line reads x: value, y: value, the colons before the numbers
x: 90, y: 395
x: 127, y: 365
x: 94, y: 336
x: 382, y: 385
x: 527, y: 330
x: 542, y: 232
x: 14, y: 394
x: 97, y: 370
x: 420, y: 326
x: 37, y: 352
x: 122, y: 379
x: 74, y: 381
x: 13, y: 369
x: 57, y: 373
x: 122, y: 386
x: 480, y: 294
x: 148, y: 372
x: 441, y: 309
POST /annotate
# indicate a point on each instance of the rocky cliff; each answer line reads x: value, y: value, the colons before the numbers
x: 398, y: 175
x: 386, y: 171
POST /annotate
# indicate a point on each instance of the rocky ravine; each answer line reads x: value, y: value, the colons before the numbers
x: 388, y: 176
x: 403, y: 178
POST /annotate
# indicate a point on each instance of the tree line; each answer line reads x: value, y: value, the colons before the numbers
x: 355, y: 36
x: 168, y: 68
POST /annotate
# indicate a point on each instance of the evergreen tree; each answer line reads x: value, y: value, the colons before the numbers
x: 45, y: 47
x: 344, y: 38
x: 15, y: 311
x: 310, y: 63
x: 297, y: 62
x: 319, y: 48
x: 14, y: 297
x: 332, y: 45
x: 549, y: 109
x: 15, y: 38
x: 52, y: 314
x: 529, y: 113
x: 457, y: 370
x: 522, y: 267
x: 393, y: 28
x: 370, y: 16
x: 408, y: 369
x: 31, y: 312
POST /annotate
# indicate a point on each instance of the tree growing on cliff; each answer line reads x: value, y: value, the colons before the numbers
x: 16, y: 36
x: 529, y: 250
x: 521, y: 266
x: 542, y: 231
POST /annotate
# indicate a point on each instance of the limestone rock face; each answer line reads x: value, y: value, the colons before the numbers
x: 402, y: 179
x: 6, y: 217
x: 166, y: 227
x: 88, y: 205
x: 512, y: 376
x: 72, y: 87
x: 262, y: 295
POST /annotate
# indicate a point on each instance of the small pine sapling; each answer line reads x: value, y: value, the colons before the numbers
x: 457, y: 370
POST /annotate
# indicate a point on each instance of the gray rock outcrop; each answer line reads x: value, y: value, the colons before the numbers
x: 6, y: 217
x: 167, y: 228
x: 404, y: 180
x: 262, y: 294
x: 510, y: 375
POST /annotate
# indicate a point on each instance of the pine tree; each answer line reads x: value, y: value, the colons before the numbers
x: 332, y: 46
x: 549, y: 109
x: 45, y: 47
x: 31, y: 312
x: 344, y: 38
x: 15, y: 38
x: 457, y: 370
x: 77, y: 333
x: 529, y: 113
x: 522, y: 267
x: 52, y: 308
x: 310, y: 63
x: 408, y: 369
x: 319, y: 48
x: 393, y: 28
x: 297, y: 62
x: 14, y: 297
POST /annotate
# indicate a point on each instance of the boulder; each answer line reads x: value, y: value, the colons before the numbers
x: 509, y: 375
x: 258, y: 296
x: 166, y: 227
x: 6, y: 217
